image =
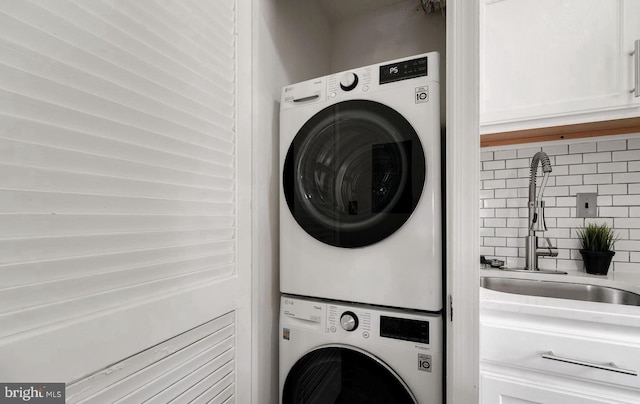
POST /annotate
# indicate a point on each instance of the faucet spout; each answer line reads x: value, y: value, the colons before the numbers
x: 536, y: 222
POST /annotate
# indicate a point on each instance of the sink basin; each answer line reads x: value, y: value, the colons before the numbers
x: 561, y: 290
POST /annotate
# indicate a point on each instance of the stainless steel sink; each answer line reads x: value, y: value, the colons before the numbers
x: 561, y: 290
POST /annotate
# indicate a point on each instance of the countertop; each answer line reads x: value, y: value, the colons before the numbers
x: 604, y: 313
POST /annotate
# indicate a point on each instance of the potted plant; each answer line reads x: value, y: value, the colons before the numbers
x: 597, y: 244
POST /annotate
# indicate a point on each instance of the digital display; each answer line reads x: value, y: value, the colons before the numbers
x: 403, y: 70
x: 405, y: 329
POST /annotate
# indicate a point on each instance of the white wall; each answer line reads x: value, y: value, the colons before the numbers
x: 399, y: 30
x: 291, y: 44
x: 608, y: 165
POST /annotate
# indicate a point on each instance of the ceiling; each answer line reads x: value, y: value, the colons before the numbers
x: 339, y: 10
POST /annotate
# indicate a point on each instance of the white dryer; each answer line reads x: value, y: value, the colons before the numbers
x: 334, y: 353
x: 360, y: 185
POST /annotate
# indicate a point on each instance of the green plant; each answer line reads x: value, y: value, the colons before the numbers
x: 597, y: 237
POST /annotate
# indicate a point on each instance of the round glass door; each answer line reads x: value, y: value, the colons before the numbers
x: 354, y: 173
x: 337, y: 375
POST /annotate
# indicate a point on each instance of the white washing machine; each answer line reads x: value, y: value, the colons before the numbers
x: 355, y: 354
x: 360, y: 193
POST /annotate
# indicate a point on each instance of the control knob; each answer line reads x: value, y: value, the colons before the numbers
x: 349, y: 321
x: 348, y: 81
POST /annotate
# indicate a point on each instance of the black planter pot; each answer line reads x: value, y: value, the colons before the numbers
x: 597, y: 262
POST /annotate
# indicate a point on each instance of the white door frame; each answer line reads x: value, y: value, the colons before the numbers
x: 463, y: 172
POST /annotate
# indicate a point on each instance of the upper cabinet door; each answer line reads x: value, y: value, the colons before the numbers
x: 555, y: 62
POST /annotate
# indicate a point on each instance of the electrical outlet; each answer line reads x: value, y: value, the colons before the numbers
x: 587, y: 205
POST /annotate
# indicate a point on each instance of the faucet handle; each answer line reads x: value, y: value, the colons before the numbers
x: 549, y: 251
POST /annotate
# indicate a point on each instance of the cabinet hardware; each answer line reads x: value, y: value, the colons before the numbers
x: 611, y: 367
x: 636, y: 68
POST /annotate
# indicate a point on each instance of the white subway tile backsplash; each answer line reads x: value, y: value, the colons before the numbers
x: 507, y: 213
x: 557, y: 212
x: 517, y: 183
x: 569, y: 180
x: 516, y: 203
x: 519, y: 163
x: 569, y: 159
x: 597, y: 179
x: 554, y: 150
x: 609, y: 167
x: 578, y: 189
x: 493, y: 165
x: 619, y: 167
x: 486, y: 213
x: 493, y: 184
x: 629, y: 155
x: 487, y: 174
x: 486, y: 156
x: 495, y: 203
x: 604, y: 200
x: 507, y: 232
x: 487, y: 231
x: 568, y: 201
x: 505, y: 154
x: 528, y: 152
x: 628, y: 178
x: 613, y: 189
x: 515, y: 242
x: 626, y: 200
x: 560, y: 170
x: 577, y: 148
x: 571, y: 222
x: 495, y: 241
x: 627, y: 223
x: 496, y: 222
x: 507, y: 251
x: 506, y: 193
x: 628, y: 245
x: 614, y: 211
x: 634, y: 143
x: 512, y: 173
x: 583, y: 169
x: 611, y: 145
x: 632, y: 267
x: 604, y: 157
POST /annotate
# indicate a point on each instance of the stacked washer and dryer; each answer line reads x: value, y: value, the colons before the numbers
x: 361, y: 236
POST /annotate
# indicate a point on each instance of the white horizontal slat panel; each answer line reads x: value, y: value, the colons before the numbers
x: 117, y: 158
x: 150, y: 372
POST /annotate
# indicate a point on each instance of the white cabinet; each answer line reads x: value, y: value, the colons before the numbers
x: 498, y: 389
x: 555, y: 62
x: 532, y: 353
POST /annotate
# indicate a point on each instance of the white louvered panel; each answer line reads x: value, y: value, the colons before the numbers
x: 117, y: 155
x: 180, y: 367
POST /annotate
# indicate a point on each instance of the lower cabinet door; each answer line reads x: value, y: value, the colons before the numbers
x: 499, y: 389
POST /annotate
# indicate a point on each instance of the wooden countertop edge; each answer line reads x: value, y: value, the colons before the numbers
x: 575, y: 131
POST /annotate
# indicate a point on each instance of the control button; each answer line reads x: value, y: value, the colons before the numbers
x: 333, y: 328
x: 333, y: 95
x: 365, y: 88
x: 349, y: 321
x: 348, y: 81
x: 365, y: 334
